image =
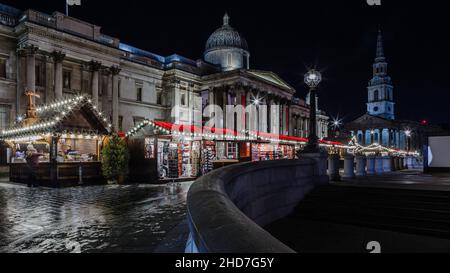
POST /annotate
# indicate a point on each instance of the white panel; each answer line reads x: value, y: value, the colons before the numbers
x: 439, y: 152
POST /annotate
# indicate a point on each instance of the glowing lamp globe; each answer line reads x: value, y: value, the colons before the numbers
x: 313, y: 78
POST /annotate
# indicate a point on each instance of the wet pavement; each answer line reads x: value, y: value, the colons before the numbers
x: 113, y: 218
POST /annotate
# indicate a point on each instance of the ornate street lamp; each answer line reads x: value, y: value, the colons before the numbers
x: 408, y: 134
x: 312, y: 79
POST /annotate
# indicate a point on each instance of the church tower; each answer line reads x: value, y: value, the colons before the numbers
x: 380, y: 89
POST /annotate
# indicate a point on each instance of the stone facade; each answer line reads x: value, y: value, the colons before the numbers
x: 58, y: 56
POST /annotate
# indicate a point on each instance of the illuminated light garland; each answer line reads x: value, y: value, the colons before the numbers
x: 69, y: 104
x: 252, y: 136
x: 378, y: 148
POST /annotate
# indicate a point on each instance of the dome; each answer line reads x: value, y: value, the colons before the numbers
x: 226, y: 37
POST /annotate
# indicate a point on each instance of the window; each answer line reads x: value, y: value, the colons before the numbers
x: 375, y: 109
x: 4, y: 116
x: 67, y: 79
x: 183, y: 100
x: 137, y: 120
x: 376, y: 95
x: 2, y: 68
x: 139, y: 93
x: 159, y: 98
x: 232, y: 150
x: 40, y: 73
x: 229, y: 59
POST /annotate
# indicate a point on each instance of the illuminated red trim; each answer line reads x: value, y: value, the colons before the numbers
x: 199, y: 130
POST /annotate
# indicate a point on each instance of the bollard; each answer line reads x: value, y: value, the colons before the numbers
x: 333, y: 167
x: 379, y: 165
x: 349, y: 167
x: 361, y: 163
x: 371, y: 165
x: 387, y: 164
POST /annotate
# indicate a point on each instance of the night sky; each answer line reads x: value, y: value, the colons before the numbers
x: 338, y: 37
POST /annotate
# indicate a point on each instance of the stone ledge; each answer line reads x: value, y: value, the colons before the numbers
x: 218, y: 223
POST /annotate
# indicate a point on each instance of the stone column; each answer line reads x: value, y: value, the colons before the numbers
x: 387, y: 167
x: 115, y: 70
x: 21, y: 54
x: 333, y: 167
x: 370, y: 165
x: 58, y: 57
x: 349, y: 166
x: 396, y: 163
x: 30, y: 51
x: 269, y: 114
x: 224, y: 107
x: 95, y: 66
x: 361, y: 163
x: 379, y: 165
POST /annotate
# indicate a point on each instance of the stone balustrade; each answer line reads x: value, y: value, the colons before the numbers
x: 227, y: 207
x: 238, y: 200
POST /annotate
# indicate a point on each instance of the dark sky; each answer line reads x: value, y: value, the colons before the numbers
x: 285, y: 37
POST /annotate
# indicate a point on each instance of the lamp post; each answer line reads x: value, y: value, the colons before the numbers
x: 408, y: 134
x: 312, y: 79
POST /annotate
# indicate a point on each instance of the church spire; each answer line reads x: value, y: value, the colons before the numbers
x: 380, y: 48
x: 226, y: 19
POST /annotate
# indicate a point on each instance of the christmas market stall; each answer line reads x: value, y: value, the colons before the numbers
x: 67, y: 135
x: 175, y: 151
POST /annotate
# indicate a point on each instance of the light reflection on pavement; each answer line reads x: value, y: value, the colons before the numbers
x: 128, y: 218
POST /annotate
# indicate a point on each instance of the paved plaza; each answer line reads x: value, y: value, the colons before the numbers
x: 129, y: 218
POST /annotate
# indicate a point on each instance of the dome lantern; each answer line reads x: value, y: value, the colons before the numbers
x: 227, y: 47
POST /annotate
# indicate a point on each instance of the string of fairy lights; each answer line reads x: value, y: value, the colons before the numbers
x: 62, y: 108
x: 243, y: 136
x: 376, y: 148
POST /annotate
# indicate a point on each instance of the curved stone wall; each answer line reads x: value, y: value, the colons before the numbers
x: 227, y: 207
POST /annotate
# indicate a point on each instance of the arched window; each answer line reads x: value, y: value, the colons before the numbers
x: 229, y: 59
x: 376, y: 95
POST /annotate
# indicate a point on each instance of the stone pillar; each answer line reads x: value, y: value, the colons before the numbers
x: 115, y: 97
x: 349, y: 166
x: 21, y: 54
x: 95, y: 81
x: 402, y: 163
x: 387, y: 164
x: 30, y: 51
x: 333, y: 167
x: 58, y: 57
x: 397, y: 164
x: 370, y: 165
x: 269, y: 114
x: 379, y: 165
x: 361, y: 163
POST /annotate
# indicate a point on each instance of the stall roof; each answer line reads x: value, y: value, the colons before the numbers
x: 205, y: 131
x: 75, y: 114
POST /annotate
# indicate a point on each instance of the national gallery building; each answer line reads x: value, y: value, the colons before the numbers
x: 59, y: 57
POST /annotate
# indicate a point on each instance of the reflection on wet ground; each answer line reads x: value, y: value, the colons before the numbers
x: 128, y: 218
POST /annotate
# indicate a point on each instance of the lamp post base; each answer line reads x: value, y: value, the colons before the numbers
x: 320, y: 173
